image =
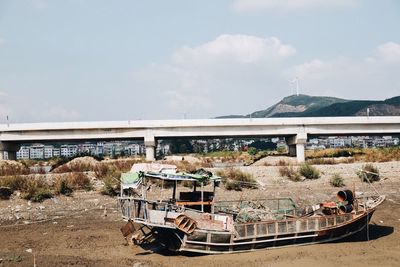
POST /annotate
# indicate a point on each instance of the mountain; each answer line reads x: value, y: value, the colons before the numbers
x: 318, y: 106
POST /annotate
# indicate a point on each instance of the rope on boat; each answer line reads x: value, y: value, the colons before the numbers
x: 376, y: 191
x: 365, y: 178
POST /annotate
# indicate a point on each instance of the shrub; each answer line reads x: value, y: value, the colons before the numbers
x: 12, y: 168
x: 37, y: 190
x: 281, y: 149
x: 63, y: 187
x: 382, y: 154
x: 290, y: 172
x: 336, y: 180
x: 110, y: 188
x: 252, y: 151
x: 15, y: 182
x: 308, y: 171
x: 232, y: 185
x: 31, y: 188
x: 369, y: 173
x: 40, y: 195
x: 5, y: 192
x: 333, y: 153
x: 80, y: 180
x: 235, y: 179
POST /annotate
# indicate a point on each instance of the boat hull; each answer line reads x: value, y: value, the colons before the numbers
x: 204, y: 242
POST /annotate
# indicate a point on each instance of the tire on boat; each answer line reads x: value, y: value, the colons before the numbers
x: 345, y: 195
x: 346, y: 208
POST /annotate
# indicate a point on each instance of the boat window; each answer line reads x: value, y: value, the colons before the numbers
x: 250, y: 230
x: 282, y: 227
x: 271, y: 228
x: 261, y: 229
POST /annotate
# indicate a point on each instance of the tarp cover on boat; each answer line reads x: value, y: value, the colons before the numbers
x: 131, y: 180
x: 153, y: 167
x: 200, y: 176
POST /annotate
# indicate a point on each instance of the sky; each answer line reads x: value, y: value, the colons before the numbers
x: 97, y: 60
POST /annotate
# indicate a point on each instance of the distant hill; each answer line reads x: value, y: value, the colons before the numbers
x: 318, y: 106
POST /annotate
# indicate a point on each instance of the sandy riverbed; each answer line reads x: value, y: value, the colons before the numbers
x: 75, y: 232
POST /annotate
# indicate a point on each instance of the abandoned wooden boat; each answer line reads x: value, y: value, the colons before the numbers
x: 194, y: 222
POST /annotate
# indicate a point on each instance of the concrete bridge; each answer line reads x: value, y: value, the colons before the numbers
x: 296, y: 130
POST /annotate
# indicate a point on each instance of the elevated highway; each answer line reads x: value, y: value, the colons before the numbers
x: 297, y: 130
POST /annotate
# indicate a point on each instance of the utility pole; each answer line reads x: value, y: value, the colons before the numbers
x: 296, y: 81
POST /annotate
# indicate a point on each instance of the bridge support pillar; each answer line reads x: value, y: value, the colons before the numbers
x: 8, y: 151
x: 150, y: 144
x: 297, y: 146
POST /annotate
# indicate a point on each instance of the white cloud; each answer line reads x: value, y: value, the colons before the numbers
x: 374, y: 76
x: 3, y: 94
x: 239, y: 48
x: 389, y: 52
x: 2, y: 41
x: 238, y: 74
x: 216, y: 77
x: 257, y: 5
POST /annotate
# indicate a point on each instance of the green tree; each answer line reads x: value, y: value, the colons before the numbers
x: 252, y: 151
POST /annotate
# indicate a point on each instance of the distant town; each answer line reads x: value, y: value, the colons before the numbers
x: 115, y: 149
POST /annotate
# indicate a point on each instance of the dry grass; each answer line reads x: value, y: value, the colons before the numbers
x: 235, y: 179
x: 101, y: 168
x: 8, y: 168
x: 14, y: 182
x: 31, y: 187
x: 231, y: 157
x: 350, y: 155
x: 36, y: 190
x: 290, y: 173
x: 224, y: 154
x: 309, y: 172
x: 62, y: 186
x: 111, y: 187
x: 369, y: 173
x: 382, y: 154
x: 333, y: 153
x: 336, y: 180
x: 80, y: 180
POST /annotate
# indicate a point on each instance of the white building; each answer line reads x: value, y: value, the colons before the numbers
x: 36, y: 151
x: 163, y: 149
x: 56, y: 152
x: 87, y: 148
x: 68, y: 150
x: 48, y: 152
x: 23, y: 152
x: 100, y: 148
x: 135, y: 149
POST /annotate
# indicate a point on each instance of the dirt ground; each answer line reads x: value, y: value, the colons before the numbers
x: 84, y: 230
